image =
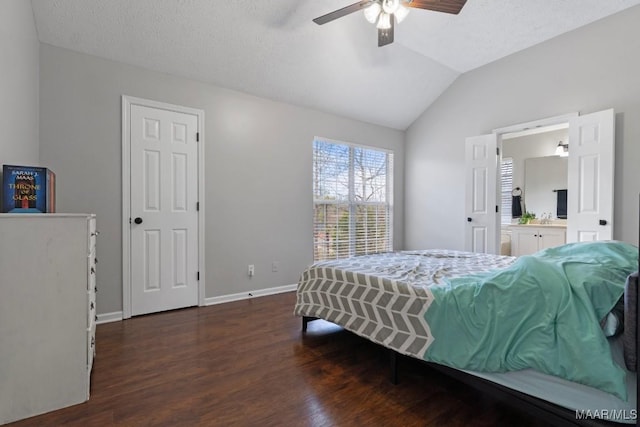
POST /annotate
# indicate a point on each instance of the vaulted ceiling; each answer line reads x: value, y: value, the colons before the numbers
x: 272, y: 49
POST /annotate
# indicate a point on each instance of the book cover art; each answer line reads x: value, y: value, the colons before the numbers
x: 27, y: 189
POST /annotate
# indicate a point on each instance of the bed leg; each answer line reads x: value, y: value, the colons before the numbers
x: 393, y: 359
x: 306, y: 320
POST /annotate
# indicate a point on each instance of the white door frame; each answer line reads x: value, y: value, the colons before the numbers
x: 127, y: 101
x: 531, y: 126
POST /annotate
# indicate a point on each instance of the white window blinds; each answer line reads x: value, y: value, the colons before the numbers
x: 506, y: 178
x: 352, y: 200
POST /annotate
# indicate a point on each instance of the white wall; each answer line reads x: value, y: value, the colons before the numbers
x: 19, y: 83
x: 590, y: 69
x: 258, y: 167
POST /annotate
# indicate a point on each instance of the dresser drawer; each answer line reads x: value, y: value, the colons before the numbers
x: 91, y: 347
x: 91, y: 271
x: 91, y: 313
x: 93, y: 233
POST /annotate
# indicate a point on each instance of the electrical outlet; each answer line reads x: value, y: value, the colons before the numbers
x: 251, y: 270
x: 275, y: 266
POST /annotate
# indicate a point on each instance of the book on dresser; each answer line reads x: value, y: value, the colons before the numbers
x: 28, y: 189
x: 47, y: 312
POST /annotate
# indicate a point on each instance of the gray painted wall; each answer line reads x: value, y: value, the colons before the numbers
x: 257, y: 157
x: 590, y: 69
x: 19, y: 83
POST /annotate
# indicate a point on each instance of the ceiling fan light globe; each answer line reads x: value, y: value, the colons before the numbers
x: 384, y: 22
x: 401, y: 13
x: 390, y: 6
x: 372, y: 12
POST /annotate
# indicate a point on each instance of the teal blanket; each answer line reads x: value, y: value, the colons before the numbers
x: 542, y: 312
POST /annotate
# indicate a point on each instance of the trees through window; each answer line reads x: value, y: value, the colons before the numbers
x: 352, y: 196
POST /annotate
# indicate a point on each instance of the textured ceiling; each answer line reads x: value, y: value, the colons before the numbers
x: 271, y: 48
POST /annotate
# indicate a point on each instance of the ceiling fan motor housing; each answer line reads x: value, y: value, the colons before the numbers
x: 390, y: 6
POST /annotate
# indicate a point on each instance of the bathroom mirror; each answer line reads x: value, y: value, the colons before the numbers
x: 536, y: 169
x: 543, y: 177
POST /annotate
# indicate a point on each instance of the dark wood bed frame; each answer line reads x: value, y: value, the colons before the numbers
x: 541, y: 409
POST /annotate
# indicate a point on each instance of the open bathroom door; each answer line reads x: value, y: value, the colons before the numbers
x: 591, y: 177
x: 482, y: 214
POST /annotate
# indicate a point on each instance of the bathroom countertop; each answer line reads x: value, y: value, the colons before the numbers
x: 534, y: 225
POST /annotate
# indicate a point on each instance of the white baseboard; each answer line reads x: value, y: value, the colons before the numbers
x: 250, y: 294
x: 116, y: 316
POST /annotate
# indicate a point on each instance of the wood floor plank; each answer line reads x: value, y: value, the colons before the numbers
x: 247, y: 363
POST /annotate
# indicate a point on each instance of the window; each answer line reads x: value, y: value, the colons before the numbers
x: 506, y: 178
x: 352, y: 200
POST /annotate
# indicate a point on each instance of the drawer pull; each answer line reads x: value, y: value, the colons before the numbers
x: 95, y: 233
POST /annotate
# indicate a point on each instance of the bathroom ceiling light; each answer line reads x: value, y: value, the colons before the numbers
x: 562, y: 149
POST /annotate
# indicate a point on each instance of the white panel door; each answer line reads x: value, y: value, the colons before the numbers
x: 164, y: 218
x: 482, y: 217
x: 591, y: 163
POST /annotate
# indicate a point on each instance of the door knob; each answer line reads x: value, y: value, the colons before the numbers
x: 138, y: 220
x: 468, y: 219
x: 603, y: 222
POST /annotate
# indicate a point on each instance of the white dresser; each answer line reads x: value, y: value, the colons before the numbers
x: 47, y: 312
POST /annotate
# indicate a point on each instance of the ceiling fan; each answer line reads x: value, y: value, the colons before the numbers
x: 384, y: 13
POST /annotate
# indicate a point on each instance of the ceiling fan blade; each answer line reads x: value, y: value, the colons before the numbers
x: 446, y: 6
x: 385, y: 37
x: 342, y: 12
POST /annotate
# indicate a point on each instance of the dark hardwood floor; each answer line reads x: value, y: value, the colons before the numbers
x: 247, y: 363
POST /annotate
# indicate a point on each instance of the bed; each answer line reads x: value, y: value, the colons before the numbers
x: 527, y: 328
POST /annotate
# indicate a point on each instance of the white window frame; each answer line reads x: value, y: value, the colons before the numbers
x: 351, y: 202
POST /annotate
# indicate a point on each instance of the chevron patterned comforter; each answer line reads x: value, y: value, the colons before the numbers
x: 384, y: 297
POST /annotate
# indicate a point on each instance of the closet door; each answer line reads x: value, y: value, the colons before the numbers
x: 591, y: 176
